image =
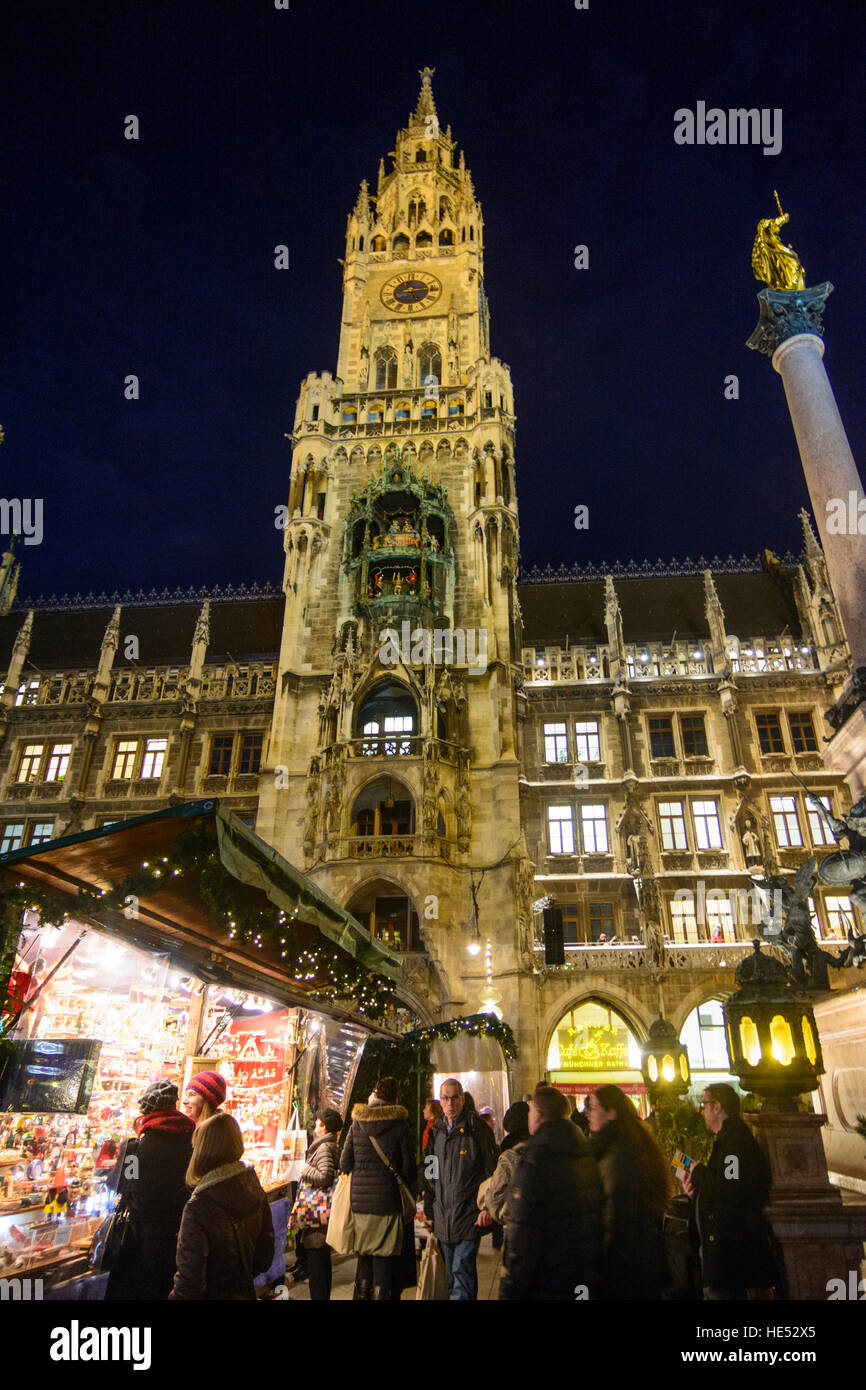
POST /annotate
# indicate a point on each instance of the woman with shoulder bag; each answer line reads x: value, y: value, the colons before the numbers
x: 380, y: 1155
x: 226, y: 1235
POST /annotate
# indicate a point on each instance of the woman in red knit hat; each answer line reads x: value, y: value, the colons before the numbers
x: 204, y: 1095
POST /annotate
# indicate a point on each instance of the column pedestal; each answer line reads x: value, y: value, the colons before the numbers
x: 818, y: 1237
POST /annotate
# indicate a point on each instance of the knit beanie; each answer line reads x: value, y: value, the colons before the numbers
x: 210, y: 1086
x: 162, y: 1095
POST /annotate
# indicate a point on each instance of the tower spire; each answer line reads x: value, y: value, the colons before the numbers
x: 426, y: 105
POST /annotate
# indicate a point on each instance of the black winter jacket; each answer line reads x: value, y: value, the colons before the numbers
x: 322, y: 1162
x: 634, y: 1263
x: 553, y: 1221
x: 464, y: 1158
x: 731, y: 1196
x: 156, y: 1199
x: 226, y: 1237
x: 374, y: 1190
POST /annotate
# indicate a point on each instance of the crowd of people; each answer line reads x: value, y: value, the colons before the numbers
x: 579, y: 1203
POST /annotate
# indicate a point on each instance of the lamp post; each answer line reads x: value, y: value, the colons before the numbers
x: 664, y: 1063
x: 772, y: 1035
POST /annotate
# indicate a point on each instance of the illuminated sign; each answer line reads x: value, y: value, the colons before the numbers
x: 593, y: 1048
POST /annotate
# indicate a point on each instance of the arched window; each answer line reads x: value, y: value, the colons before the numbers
x: 703, y: 1033
x: 471, y: 233
x: 388, y: 915
x: 349, y: 416
x: 455, y: 407
x: 421, y: 155
x: 424, y: 239
x: 446, y: 237
x: 402, y: 410
x: 386, y: 369
x: 444, y: 208
x: 592, y: 1044
x: 384, y: 807
x: 400, y: 244
x: 360, y: 243
x: 430, y: 364
x: 379, y: 244
x: 417, y: 210
x: 387, y: 719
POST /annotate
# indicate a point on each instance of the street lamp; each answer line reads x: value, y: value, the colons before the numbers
x: 772, y: 1035
x: 664, y: 1062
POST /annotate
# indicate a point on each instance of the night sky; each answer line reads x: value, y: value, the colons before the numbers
x: 155, y: 257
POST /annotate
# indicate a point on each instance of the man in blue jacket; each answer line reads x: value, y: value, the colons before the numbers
x: 460, y: 1154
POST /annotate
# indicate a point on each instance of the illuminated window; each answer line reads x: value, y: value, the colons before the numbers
x: 41, y: 831
x: 27, y: 692
x: 555, y: 743
x: 31, y: 758
x: 601, y: 921
x: 704, y: 1036
x: 561, y: 827
x: 769, y: 733
x: 818, y: 827
x: 720, y: 920
x: 593, y: 820
x: 154, y: 757
x: 840, y: 916
x: 124, y: 759
x: 12, y: 836
x: 684, y: 926
x: 708, y: 831
x: 673, y: 824
x: 802, y: 732
x: 58, y: 762
x: 386, y: 363
x: 784, y: 809
x: 587, y: 741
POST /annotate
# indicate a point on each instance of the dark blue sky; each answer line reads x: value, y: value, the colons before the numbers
x: 155, y: 257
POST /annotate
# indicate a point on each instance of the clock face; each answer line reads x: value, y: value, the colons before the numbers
x: 409, y: 291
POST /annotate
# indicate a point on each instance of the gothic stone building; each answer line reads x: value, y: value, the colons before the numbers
x: 620, y: 741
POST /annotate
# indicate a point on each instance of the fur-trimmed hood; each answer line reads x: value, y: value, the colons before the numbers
x: 366, y: 1114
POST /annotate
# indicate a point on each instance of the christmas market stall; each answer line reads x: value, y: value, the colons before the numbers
x: 157, y: 948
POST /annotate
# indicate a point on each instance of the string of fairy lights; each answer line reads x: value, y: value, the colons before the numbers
x: 326, y: 971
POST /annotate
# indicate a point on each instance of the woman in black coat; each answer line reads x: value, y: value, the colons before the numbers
x: 637, y: 1189
x: 385, y: 1244
x: 226, y: 1236
x: 150, y: 1177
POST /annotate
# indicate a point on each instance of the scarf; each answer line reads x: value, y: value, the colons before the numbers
x: 165, y: 1121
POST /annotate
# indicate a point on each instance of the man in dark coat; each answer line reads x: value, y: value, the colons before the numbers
x: 553, y: 1232
x: 150, y: 1177
x: 460, y: 1154
x: 730, y: 1192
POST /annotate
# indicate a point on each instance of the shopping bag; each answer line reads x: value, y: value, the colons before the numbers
x: 432, y: 1276
x: 312, y: 1209
x: 341, y: 1224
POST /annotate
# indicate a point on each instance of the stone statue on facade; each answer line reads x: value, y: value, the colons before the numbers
x: 751, y: 844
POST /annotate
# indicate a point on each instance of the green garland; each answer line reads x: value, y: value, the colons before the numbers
x: 195, y: 852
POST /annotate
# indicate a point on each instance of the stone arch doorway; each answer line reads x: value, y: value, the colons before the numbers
x: 594, y: 1045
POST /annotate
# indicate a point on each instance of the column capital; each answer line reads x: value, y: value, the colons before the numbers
x: 786, y: 314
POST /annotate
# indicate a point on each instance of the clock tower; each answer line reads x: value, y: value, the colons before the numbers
x: 393, y: 771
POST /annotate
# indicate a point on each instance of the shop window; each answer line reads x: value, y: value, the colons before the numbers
x: 560, y: 824
x: 818, y: 827
x: 704, y: 1035
x: 593, y: 1039
x: 251, y: 753
x: 31, y: 760
x: 555, y: 743
x: 661, y: 733
x: 587, y: 742
x: 124, y: 759
x: 58, y: 762
x: 673, y: 825
x: 784, y: 810
x: 593, y: 821
x: 769, y: 733
x: 601, y: 921
x: 153, y: 759
x: 708, y: 830
x: 694, y: 735
x: 802, y: 732
x: 221, y: 755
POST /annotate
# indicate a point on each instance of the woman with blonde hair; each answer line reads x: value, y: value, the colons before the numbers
x: 226, y: 1235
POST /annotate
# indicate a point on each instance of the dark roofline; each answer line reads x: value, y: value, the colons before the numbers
x: 152, y: 599
x: 650, y: 569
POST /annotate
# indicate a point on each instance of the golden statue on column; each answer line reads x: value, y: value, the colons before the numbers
x: 773, y: 262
